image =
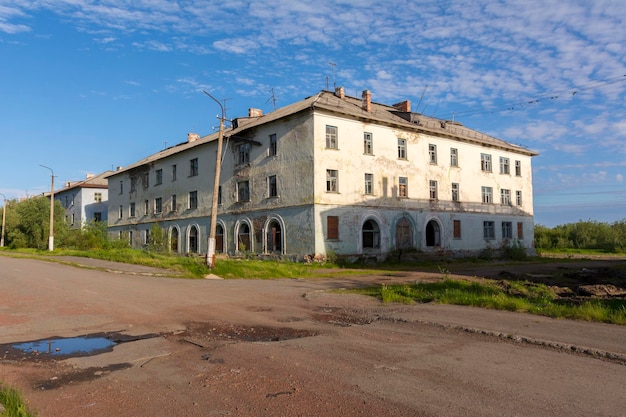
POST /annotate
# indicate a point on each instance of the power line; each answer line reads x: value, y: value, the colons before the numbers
x: 555, y: 95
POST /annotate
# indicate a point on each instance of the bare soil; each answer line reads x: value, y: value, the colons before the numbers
x: 291, y: 348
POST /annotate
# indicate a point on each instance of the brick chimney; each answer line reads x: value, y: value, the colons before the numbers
x: 192, y: 137
x: 403, y: 106
x: 367, y: 100
x: 340, y: 92
x: 252, y: 112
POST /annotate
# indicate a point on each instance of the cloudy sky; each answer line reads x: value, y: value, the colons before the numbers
x: 89, y: 85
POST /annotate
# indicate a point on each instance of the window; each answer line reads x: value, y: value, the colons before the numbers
x: 456, y: 229
x: 489, y: 231
x: 131, y: 237
x: 174, y: 172
x: 97, y: 216
x: 454, y: 157
x: 432, y: 154
x: 174, y: 206
x: 332, y: 227
x: 331, y: 137
x: 120, y: 213
x: 193, y: 199
x: 193, y: 167
x: 272, y: 189
x: 73, y: 197
x: 487, y: 193
x: 131, y: 210
x: 371, y: 234
x: 331, y: 180
x: 518, y: 198
x: 97, y: 197
x: 121, y: 187
x: 133, y: 184
x: 455, y: 191
x: 146, y: 236
x: 273, y: 145
x: 518, y: 168
x: 485, y: 162
x: 159, y: 177
x: 158, y: 205
x: 67, y: 201
x: 146, y: 207
x: 243, y: 153
x: 368, y: 146
x: 403, y: 187
x: 369, y: 181
x: 146, y: 179
x: 243, y: 191
x: 505, y: 165
x: 520, y: 230
x: 401, y: 148
x: 219, y: 194
x: 73, y: 219
x: 432, y: 188
x: 507, y: 230
x: 505, y: 197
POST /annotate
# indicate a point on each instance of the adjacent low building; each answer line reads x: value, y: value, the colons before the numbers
x: 85, y: 200
x: 332, y: 174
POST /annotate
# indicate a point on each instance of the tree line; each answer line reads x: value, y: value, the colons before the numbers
x: 27, y: 225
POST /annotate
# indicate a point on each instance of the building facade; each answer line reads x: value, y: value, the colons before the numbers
x: 86, y: 200
x: 332, y: 174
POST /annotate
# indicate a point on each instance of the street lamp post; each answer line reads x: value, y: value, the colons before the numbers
x: 4, y: 216
x: 210, y: 256
x: 51, y: 238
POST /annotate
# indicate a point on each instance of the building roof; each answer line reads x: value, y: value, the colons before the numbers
x: 92, y: 181
x: 341, y: 104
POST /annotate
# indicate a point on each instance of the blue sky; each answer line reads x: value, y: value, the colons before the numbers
x: 86, y: 86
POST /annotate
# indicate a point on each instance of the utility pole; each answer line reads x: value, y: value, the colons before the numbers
x: 210, y: 256
x: 4, y: 216
x: 51, y: 238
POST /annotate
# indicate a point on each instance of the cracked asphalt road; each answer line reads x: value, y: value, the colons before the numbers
x: 291, y: 348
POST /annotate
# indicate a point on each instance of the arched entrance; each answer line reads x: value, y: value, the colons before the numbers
x: 243, y: 238
x: 219, y: 238
x: 174, y: 240
x: 433, y: 234
x: 370, y: 234
x: 274, y: 237
x: 193, y: 239
x: 404, y: 234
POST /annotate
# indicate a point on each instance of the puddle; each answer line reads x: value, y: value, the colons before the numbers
x: 66, y: 346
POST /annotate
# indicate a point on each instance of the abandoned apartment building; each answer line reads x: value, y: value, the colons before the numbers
x: 331, y: 174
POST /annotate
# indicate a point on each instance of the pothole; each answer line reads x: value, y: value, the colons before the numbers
x: 340, y: 317
x: 65, y: 347
x: 203, y: 333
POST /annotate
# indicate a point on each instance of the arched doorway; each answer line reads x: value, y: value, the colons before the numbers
x: 174, y: 240
x: 433, y: 234
x: 243, y: 238
x: 404, y: 234
x: 371, y: 235
x: 274, y: 237
x: 193, y: 239
x: 219, y: 238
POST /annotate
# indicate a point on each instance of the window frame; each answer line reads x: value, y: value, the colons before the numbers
x: 455, y: 191
x: 505, y: 165
x: 507, y: 230
x: 403, y: 187
x: 485, y: 162
x: 332, y: 181
x: 158, y: 180
x: 332, y: 227
x: 432, y: 190
x: 368, y: 143
x: 193, y: 167
x: 489, y: 230
x: 432, y: 154
x: 243, y: 191
x: 505, y: 197
x: 402, y: 150
x: 456, y: 229
x: 454, y: 157
x: 487, y: 194
x: 518, y: 197
x: 132, y: 210
x: 192, y: 200
x: 332, y: 137
x: 272, y: 186
x: 273, y: 146
x: 158, y: 205
x: 518, y: 168
x: 243, y: 153
x: 369, y: 184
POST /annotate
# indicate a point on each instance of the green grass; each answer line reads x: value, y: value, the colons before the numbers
x: 195, y: 267
x: 13, y: 404
x: 502, y: 295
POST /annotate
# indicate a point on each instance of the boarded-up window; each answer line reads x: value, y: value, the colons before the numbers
x: 457, y: 229
x: 332, y: 227
x: 520, y: 230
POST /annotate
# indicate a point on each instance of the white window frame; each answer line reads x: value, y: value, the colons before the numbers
x: 332, y: 137
x: 487, y: 194
x: 332, y: 181
x: 485, y: 162
x: 369, y: 184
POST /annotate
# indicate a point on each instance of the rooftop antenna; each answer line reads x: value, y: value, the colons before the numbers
x: 333, y: 65
x: 272, y: 98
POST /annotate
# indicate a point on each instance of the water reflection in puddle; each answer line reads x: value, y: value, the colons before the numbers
x: 66, y: 346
